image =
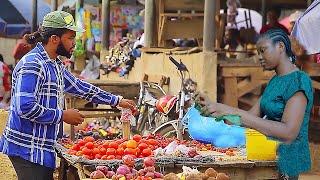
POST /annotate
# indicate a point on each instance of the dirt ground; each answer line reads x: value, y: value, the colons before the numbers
x: 7, y: 172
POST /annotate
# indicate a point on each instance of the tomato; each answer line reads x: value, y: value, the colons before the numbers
x: 79, y: 153
x: 88, y: 139
x: 76, y: 147
x: 89, y: 145
x: 104, y: 157
x: 95, y: 151
x: 146, y: 152
x: 132, y: 144
x: 120, y: 151
x: 152, y: 142
x: 72, y: 152
x: 97, y: 156
x: 138, y: 151
x: 123, y: 145
x: 81, y: 142
x: 142, y: 146
x: 86, y: 151
x: 113, y: 145
x: 118, y: 157
x: 111, y: 151
x: 103, y: 151
x: 130, y: 151
x: 137, y: 137
x: 110, y: 157
x: 106, y: 144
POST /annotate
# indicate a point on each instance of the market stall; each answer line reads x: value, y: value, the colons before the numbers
x: 184, y: 159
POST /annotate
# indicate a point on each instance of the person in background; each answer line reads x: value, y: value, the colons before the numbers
x: 233, y: 42
x: 38, y: 86
x: 283, y: 111
x: 5, y: 86
x: 272, y: 21
x: 22, y: 47
x: 293, y: 18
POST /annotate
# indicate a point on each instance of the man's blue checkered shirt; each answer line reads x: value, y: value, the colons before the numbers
x: 35, y: 113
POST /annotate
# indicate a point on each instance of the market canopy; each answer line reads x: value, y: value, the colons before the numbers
x: 16, y: 16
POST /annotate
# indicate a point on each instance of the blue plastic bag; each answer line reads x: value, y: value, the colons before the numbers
x: 206, y: 129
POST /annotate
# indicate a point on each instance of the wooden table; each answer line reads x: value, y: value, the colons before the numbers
x: 240, y: 78
x: 239, y: 170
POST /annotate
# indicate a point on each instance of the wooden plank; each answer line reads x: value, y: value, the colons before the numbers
x: 183, y: 5
x: 192, y: 28
x: 181, y: 15
x: 262, y: 173
x: 315, y: 84
x: 231, y: 92
x: 249, y: 87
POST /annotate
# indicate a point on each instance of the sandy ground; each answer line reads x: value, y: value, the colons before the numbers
x: 7, y: 172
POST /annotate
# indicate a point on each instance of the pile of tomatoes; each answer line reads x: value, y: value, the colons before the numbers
x: 90, y: 148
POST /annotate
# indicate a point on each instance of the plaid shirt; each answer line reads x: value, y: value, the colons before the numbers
x: 38, y: 84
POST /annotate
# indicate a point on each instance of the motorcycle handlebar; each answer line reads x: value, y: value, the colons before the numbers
x: 180, y: 66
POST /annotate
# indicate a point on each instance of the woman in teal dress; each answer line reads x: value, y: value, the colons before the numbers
x: 283, y: 111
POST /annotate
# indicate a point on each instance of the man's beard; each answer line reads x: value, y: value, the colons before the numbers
x: 61, y: 50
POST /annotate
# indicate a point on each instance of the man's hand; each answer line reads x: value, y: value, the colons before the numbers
x: 72, y: 116
x: 128, y: 104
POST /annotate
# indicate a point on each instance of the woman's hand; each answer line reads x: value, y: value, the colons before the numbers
x: 128, y: 104
x: 207, y: 107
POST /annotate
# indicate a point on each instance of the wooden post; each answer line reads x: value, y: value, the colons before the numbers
x: 105, y: 24
x: 148, y: 22
x: 126, y: 130
x: 34, y: 15
x: 209, y: 25
x: 54, y: 5
x: 218, y: 20
x: 263, y: 12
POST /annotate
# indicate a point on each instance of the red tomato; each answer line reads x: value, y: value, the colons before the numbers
x: 95, y: 151
x: 110, y: 157
x: 76, y: 147
x: 120, y: 151
x: 81, y: 142
x: 104, y: 157
x: 97, y: 156
x: 129, y: 151
x: 132, y: 144
x: 103, y: 151
x: 106, y: 145
x: 88, y: 139
x: 79, y: 153
x: 113, y: 145
x: 152, y: 142
x: 138, y: 151
x: 142, y: 146
x: 72, y: 152
x: 146, y: 152
x: 118, y: 157
x: 111, y: 151
x: 123, y: 145
x: 137, y: 137
x: 89, y: 145
x: 86, y: 151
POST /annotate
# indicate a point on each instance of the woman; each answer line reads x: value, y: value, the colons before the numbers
x: 283, y: 110
x: 39, y: 82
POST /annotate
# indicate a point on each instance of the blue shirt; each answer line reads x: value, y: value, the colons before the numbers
x: 38, y: 85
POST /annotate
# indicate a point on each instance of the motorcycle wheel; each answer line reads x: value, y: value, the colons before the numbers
x: 169, y: 132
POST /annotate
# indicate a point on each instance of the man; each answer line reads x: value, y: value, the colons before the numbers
x: 4, y: 83
x: 39, y: 82
x: 273, y: 23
